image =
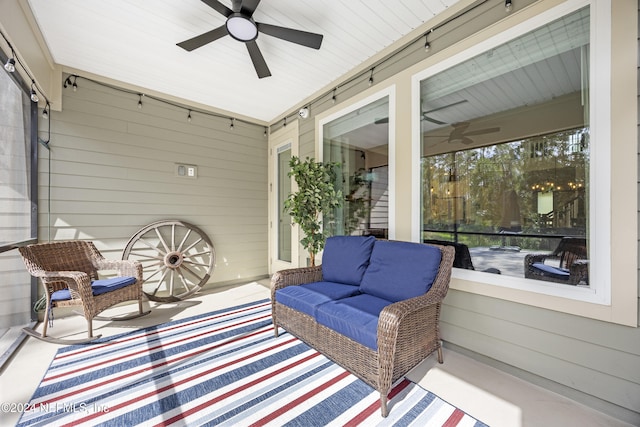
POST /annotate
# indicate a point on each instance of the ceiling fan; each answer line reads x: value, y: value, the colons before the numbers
x: 460, y: 134
x: 424, y: 114
x: 241, y: 26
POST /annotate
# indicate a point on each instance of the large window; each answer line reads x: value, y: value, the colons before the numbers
x: 505, y: 155
x: 358, y: 141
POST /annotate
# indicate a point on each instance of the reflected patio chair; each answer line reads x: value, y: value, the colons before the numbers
x: 68, y: 271
x: 566, y: 264
x: 462, y: 257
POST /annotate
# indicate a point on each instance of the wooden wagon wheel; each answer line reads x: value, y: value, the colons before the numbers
x: 177, y: 259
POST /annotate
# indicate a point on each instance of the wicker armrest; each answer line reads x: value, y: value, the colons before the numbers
x: 78, y: 282
x: 295, y: 276
x: 531, y: 259
x: 130, y: 268
x: 579, y: 272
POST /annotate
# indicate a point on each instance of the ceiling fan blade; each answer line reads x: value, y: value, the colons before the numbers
x: 258, y: 60
x: 381, y: 121
x: 303, y: 38
x: 248, y: 7
x: 453, y: 104
x: 203, y: 39
x: 219, y: 7
x: 482, y: 131
x: 432, y: 120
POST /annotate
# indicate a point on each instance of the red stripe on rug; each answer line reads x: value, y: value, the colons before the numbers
x: 97, y: 347
x: 196, y: 377
x: 454, y: 419
x: 299, y: 400
x: 166, y: 362
x: 147, y: 350
x: 236, y: 390
x: 368, y: 411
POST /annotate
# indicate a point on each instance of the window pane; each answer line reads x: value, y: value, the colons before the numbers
x: 15, y: 166
x: 505, y: 154
x: 359, y: 143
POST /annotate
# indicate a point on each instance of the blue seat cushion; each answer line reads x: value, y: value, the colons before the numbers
x: 354, y: 317
x: 98, y: 287
x: 61, y: 295
x: 103, y: 286
x: 306, y: 298
x: 548, y: 270
x: 400, y: 270
x: 345, y: 258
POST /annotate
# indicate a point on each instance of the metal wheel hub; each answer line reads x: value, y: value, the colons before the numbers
x: 173, y: 259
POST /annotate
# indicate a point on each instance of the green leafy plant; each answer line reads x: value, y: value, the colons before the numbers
x: 315, y: 200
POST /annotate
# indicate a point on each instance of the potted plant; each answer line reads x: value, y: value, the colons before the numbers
x: 315, y: 200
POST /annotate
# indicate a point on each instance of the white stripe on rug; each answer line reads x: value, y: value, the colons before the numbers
x: 221, y: 368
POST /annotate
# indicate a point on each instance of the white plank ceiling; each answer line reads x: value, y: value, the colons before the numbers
x: 134, y: 42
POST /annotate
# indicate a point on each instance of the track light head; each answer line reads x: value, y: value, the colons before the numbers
x: 34, y: 95
x: 10, y: 65
x: 508, y: 5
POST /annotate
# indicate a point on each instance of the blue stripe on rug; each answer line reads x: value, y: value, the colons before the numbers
x: 221, y: 368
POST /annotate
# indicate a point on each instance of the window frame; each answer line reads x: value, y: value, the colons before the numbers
x: 354, y: 104
x: 600, y: 232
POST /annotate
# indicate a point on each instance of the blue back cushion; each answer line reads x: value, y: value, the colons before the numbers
x: 345, y: 258
x: 400, y: 270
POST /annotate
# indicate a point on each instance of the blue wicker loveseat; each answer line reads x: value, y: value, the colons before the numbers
x: 373, y: 306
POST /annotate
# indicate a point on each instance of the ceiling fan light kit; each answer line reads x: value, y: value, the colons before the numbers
x: 241, y: 27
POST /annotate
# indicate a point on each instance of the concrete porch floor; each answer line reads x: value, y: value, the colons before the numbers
x: 490, y: 395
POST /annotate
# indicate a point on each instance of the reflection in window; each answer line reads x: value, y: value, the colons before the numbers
x: 359, y: 143
x: 505, y: 155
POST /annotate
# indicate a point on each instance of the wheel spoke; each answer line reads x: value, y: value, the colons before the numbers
x: 195, y: 274
x: 150, y: 258
x: 192, y: 245
x: 164, y: 273
x: 184, y: 239
x: 201, y: 264
x: 166, y: 248
x: 154, y: 247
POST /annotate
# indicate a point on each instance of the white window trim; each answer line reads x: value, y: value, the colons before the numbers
x: 389, y: 92
x: 600, y: 160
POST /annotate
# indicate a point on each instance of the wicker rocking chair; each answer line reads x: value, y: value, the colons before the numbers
x: 567, y: 264
x: 68, y: 271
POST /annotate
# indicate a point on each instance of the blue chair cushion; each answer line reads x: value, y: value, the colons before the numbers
x: 103, y: 286
x: 99, y: 287
x: 345, y: 258
x: 400, y: 270
x: 61, y: 295
x: 306, y: 298
x: 548, y: 270
x: 355, y: 317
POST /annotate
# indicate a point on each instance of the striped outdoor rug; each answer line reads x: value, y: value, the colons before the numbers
x: 222, y: 368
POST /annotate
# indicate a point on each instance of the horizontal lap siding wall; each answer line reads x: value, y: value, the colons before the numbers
x: 113, y: 172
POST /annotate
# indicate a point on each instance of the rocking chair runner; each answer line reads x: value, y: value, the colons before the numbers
x: 68, y: 271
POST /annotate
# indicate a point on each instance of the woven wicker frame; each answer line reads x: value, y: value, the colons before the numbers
x: 73, y: 265
x: 408, y: 331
